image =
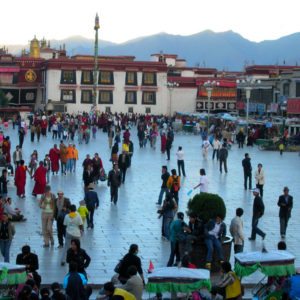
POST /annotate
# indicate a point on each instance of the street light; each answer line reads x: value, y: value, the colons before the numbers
x: 248, y: 86
x: 170, y: 86
x: 209, y: 87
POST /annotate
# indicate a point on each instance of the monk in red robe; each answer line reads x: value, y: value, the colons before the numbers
x: 40, y: 180
x: 54, y: 157
x: 20, y: 179
x: 163, y: 142
x: 6, y: 148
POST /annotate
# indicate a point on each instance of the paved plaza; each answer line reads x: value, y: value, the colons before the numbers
x: 135, y: 218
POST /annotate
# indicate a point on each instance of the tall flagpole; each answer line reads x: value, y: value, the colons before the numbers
x: 96, y: 28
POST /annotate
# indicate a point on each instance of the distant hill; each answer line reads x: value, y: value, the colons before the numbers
x: 226, y: 50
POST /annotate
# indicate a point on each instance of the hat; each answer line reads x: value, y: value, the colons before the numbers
x: 256, y: 190
x: 60, y: 192
x: 91, y: 186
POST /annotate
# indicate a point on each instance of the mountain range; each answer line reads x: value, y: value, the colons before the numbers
x: 224, y: 51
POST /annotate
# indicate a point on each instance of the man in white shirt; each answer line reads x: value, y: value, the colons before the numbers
x: 203, y: 182
x: 205, y: 146
x: 236, y: 230
x: 180, y: 161
x: 260, y: 179
x: 74, y: 227
x: 216, y: 146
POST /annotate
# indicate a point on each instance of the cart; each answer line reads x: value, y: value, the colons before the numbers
x: 274, y: 264
x: 10, y: 276
x: 178, y: 280
x: 265, y: 144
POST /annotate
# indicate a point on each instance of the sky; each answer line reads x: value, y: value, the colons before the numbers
x: 123, y: 20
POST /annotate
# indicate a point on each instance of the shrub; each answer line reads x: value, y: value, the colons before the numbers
x: 207, y: 206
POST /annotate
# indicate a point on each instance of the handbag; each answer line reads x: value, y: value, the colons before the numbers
x: 117, y: 268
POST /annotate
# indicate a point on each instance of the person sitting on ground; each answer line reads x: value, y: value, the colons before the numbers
x: 56, y: 292
x: 134, y: 284
x: 75, y: 284
x: 31, y: 261
x: 229, y: 286
x: 215, y: 232
x: 130, y: 259
x: 78, y: 255
x: 13, y: 214
x: 111, y: 291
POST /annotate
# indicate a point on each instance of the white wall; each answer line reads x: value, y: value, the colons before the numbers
x: 183, y: 100
x: 119, y: 92
x: 187, y: 73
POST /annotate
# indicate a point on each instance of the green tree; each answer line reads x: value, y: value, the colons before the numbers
x: 3, y: 99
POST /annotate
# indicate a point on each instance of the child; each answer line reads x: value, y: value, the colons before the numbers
x: 281, y: 147
x: 83, y: 212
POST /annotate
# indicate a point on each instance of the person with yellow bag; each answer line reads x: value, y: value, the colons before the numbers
x: 229, y: 286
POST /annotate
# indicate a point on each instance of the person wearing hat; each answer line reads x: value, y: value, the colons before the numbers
x: 258, y: 211
x: 61, y: 208
x: 92, y: 202
x: 285, y: 202
x: 114, y: 181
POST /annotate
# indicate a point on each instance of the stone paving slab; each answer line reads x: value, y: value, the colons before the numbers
x: 134, y: 219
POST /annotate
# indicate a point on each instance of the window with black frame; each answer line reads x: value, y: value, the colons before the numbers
x: 87, y: 96
x: 87, y: 77
x: 149, y: 78
x: 131, y: 78
x: 130, y: 97
x: 68, y: 77
x: 106, y: 77
x: 149, y: 98
x: 105, y: 97
x: 68, y: 96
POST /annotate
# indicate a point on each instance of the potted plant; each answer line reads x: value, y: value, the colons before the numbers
x: 207, y: 206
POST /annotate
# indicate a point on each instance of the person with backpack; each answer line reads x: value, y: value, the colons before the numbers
x: 173, y: 184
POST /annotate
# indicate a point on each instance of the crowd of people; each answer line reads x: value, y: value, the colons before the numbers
x: 72, y: 219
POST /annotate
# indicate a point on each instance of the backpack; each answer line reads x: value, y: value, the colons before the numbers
x: 175, y: 184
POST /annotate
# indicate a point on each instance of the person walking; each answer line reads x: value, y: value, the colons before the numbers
x: 47, y: 204
x: 123, y: 162
x: 7, y: 232
x: 75, y: 158
x: 259, y: 176
x: 21, y: 137
x: 285, y: 202
x: 88, y: 177
x: 246, y: 163
x: 17, y: 156
x: 164, y: 177
x: 70, y: 157
x: 111, y: 135
x: 223, y: 154
x: 205, y: 147
x: 236, y: 231
x: 173, y: 184
x: 180, y: 161
x: 92, y: 202
x: 114, y: 182
x: 61, y: 209
x: 258, y: 211
x: 54, y: 157
x: 203, y: 184
x: 63, y: 158
x: 74, y: 228
x: 20, y: 179
x: 240, y: 137
x: 216, y: 147
x: 40, y: 180
x: 47, y: 166
x: 168, y: 146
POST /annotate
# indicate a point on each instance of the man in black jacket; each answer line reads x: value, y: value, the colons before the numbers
x: 124, y: 163
x: 31, y: 261
x: 223, y: 154
x: 285, y: 202
x: 246, y: 162
x: 168, y: 146
x: 164, y: 177
x: 88, y: 177
x: 196, y: 232
x: 114, y: 181
x: 258, y: 211
x: 92, y: 202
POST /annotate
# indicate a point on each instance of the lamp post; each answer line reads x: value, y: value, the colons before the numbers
x: 209, y: 87
x: 248, y: 85
x: 170, y: 86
